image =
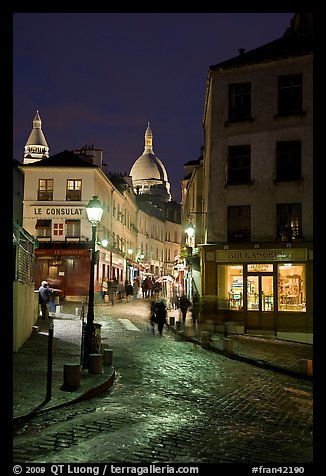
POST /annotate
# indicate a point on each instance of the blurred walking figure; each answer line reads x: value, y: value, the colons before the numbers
x: 160, y: 314
x: 135, y: 288
x: 152, y: 317
x: 129, y: 290
x: 184, y: 305
x: 195, y: 310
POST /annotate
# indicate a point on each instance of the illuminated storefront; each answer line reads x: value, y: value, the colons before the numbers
x: 265, y: 290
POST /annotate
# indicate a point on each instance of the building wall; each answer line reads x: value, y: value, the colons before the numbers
x: 25, y: 312
x: 287, y: 316
x: 262, y: 134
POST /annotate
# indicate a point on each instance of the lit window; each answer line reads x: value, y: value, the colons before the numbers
x: 73, y: 190
x: 291, y: 282
x: 230, y: 287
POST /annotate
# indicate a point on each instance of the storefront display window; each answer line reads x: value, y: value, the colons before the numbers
x: 230, y: 287
x: 291, y: 287
x: 260, y: 296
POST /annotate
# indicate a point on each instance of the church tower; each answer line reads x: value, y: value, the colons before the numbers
x: 36, y: 147
x: 148, y: 172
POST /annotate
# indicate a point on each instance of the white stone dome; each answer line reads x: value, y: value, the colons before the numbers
x: 148, y: 172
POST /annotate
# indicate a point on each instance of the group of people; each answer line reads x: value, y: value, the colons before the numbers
x: 158, y: 312
x: 116, y: 291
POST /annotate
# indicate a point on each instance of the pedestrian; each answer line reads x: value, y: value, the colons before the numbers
x: 135, y: 288
x: 44, y: 296
x: 195, y: 309
x: 104, y: 287
x: 144, y: 287
x: 160, y: 315
x: 184, y: 305
x: 152, y: 317
x: 129, y: 290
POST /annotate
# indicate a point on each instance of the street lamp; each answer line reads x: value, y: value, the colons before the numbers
x: 94, y: 212
x: 190, y: 230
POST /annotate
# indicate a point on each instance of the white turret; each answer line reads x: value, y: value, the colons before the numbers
x: 36, y: 147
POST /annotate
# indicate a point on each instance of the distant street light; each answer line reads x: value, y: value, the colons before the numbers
x: 94, y: 212
x: 190, y: 230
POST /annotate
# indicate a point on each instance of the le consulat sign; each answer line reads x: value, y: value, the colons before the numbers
x: 58, y: 211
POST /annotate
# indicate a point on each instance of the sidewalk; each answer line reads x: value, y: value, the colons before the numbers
x: 38, y: 389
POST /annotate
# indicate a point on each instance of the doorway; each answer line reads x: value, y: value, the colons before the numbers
x: 260, y: 301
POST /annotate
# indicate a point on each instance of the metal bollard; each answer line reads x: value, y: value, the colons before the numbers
x: 178, y: 325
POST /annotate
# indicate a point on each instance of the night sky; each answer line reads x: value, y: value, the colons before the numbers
x: 99, y: 78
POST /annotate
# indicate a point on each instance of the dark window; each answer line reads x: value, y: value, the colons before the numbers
x: 72, y: 228
x: 239, y: 164
x: 239, y: 223
x: 290, y: 94
x: 289, y: 225
x: 288, y: 160
x: 45, y: 189
x: 73, y: 190
x: 239, y: 101
x: 43, y: 228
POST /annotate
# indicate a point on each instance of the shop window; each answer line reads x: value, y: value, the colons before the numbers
x: 291, y: 283
x: 230, y: 287
x: 239, y: 101
x: 73, y: 192
x: 239, y: 171
x: 289, y: 94
x: 45, y: 189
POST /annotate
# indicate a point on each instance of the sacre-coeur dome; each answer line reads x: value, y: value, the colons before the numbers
x: 148, y: 170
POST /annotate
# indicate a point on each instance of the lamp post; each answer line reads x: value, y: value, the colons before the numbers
x: 191, y: 241
x: 94, y: 212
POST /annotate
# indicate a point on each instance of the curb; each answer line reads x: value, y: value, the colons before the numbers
x: 247, y: 360
x: 88, y: 394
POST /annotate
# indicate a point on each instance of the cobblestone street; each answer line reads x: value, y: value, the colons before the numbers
x: 174, y: 402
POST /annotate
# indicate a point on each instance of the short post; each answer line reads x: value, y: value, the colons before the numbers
x: 57, y: 310
x: 305, y: 366
x: 205, y: 337
x: 71, y: 376
x: 227, y: 345
x: 107, y: 356
x: 95, y: 362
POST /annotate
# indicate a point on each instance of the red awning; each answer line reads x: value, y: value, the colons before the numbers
x: 43, y: 224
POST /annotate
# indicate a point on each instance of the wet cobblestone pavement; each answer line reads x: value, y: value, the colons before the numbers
x: 174, y: 402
